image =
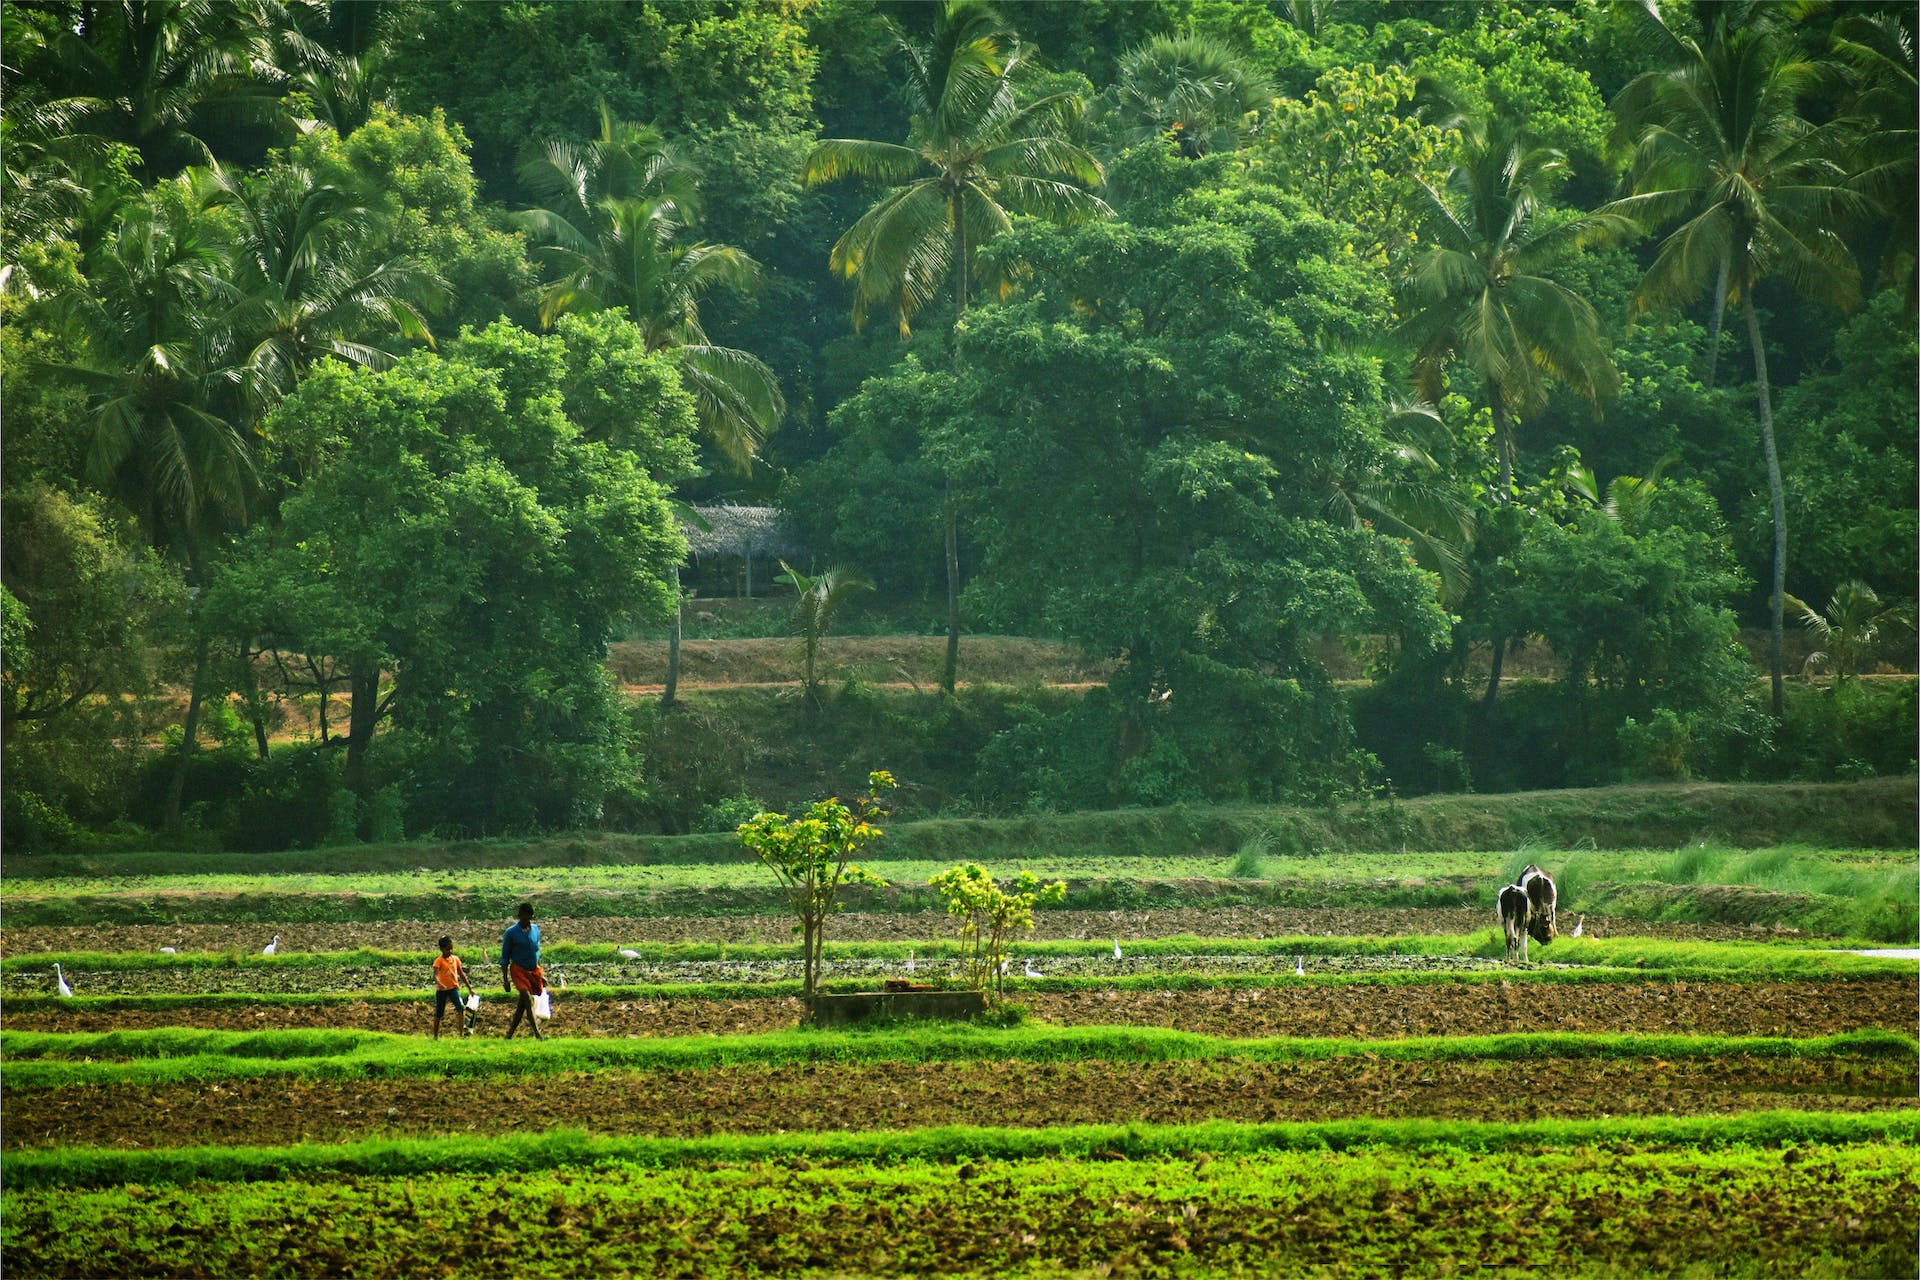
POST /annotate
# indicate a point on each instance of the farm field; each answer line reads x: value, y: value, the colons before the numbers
x: 1342, y: 1081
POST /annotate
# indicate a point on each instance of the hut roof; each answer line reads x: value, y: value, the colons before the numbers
x: 735, y: 530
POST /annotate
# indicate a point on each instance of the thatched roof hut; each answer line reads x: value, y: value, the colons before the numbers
x: 744, y: 533
x: 739, y: 531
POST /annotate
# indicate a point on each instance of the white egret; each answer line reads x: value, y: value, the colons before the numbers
x: 272, y: 948
x: 61, y: 978
x: 628, y: 953
x: 169, y: 951
x: 1116, y: 948
x: 1579, y: 927
x: 1299, y: 966
x: 1031, y: 971
x: 909, y: 962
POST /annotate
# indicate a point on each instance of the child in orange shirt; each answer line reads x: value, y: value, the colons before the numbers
x: 448, y: 974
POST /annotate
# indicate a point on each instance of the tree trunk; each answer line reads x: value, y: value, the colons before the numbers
x: 1493, y: 680
x: 1715, y: 321
x: 365, y: 694
x: 807, y: 979
x: 958, y: 209
x: 1775, y: 490
x: 250, y: 688
x: 673, y: 646
x: 176, y: 792
x: 950, y: 673
x: 1502, y: 440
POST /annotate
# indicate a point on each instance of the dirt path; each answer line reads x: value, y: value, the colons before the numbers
x: 1729, y: 1008
x: 476, y: 936
x: 901, y: 1096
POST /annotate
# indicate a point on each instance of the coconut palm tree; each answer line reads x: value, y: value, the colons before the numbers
x: 974, y: 157
x: 1757, y: 190
x: 1855, y: 628
x: 821, y: 597
x: 1407, y: 495
x: 609, y: 221
x: 1193, y: 87
x: 162, y: 437
x: 1878, y: 50
x: 154, y: 73
x: 311, y: 282
x: 1482, y: 294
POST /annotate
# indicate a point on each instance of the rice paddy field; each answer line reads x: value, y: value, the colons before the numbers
x: 1295, y: 1065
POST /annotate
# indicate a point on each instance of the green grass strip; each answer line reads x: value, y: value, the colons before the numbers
x: 1851, y: 969
x: 1773, y: 956
x: 412, y: 1158
x: 177, y: 1055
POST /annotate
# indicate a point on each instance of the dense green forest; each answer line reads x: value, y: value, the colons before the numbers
x: 366, y: 357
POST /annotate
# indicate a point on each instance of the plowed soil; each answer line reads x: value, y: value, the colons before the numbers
x: 903, y: 1096
x: 419, y: 935
x: 1376, y: 1012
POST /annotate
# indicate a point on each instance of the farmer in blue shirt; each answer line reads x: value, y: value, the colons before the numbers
x: 520, y: 969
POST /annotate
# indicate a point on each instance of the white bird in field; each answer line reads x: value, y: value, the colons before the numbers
x: 61, y: 978
x: 1299, y: 966
x: 559, y: 980
x: 1004, y: 966
x: 169, y: 951
x: 1579, y: 927
x: 909, y: 962
x: 1116, y: 948
x: 1031, y: 971
x: 628, y: 953
x: 272, y: 948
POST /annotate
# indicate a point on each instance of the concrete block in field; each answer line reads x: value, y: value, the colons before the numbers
x: 956, y: 1006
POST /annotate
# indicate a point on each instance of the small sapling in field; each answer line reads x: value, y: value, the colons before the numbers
x: 812, y: 855
x: 986, y: 914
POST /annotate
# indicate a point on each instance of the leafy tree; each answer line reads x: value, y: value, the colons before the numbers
x: 1634, y: 605
x: 1483, y: 293
x: 610, y: 223
x: 985, y: 915
x: 1355, y: 150
x: 412, y: 174
x: 1159, y: 418
x: 813, y: 857
x: 92, y: 601
x: 1526, y: 63
x: 87, y: 610
x: 1847, y: 455
x: 454, y: 526
x: 1757, y: 188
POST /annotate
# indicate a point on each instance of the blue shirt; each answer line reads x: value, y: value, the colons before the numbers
x: 520, y: 946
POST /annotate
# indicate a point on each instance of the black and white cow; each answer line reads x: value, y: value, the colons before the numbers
x: 1527, y: 910
x: 1542, y: 899
x: 1513, y: 921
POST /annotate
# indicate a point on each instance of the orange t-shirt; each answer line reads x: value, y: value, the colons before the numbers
x: 446, y: 972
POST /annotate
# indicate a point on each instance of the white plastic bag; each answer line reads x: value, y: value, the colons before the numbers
x: 542, y: 1006
x: 473, y: 1002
